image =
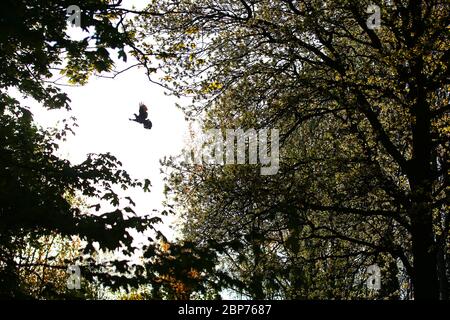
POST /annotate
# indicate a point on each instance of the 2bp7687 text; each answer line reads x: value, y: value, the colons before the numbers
x: 232, y: 309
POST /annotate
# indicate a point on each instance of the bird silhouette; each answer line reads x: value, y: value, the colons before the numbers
x: 142, y: 116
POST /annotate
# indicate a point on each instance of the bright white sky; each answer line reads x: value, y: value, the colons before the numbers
x: 103, y: 108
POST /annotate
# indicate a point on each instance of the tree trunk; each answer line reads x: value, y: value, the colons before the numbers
x: 420, y: 176
x: 425, y: 276
x: 425, y: 279
x: 442, y: 271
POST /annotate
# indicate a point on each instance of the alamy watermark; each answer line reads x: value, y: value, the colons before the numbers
x: 74, y: 277
x: 374, y: 20
x: 213, y: 148
x: 74, y: 13
x: 374, y: 279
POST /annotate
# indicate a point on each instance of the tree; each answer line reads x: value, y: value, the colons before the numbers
x: 181, y: 271
x: 42, y: 269
x: 37, y: 186
x: 363, y: 112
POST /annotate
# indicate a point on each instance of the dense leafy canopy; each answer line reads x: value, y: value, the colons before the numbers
x: 364, y: 120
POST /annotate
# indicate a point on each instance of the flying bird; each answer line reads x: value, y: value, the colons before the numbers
x: 142, y: 116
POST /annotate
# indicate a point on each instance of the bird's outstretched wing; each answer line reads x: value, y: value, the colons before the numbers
x: 143, y: 111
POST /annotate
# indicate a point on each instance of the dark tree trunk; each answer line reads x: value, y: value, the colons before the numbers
x: 425, y: 279
x: 420, y: 170
x: 256, y: 286
x: 425, y: 276
x: 442, y: 271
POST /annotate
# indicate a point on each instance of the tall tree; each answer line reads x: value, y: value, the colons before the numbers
x: 363, y: 110
x: 37, y: 186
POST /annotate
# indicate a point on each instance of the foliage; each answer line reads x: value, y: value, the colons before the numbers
x: 38, y: 187
x: 363, y: 115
